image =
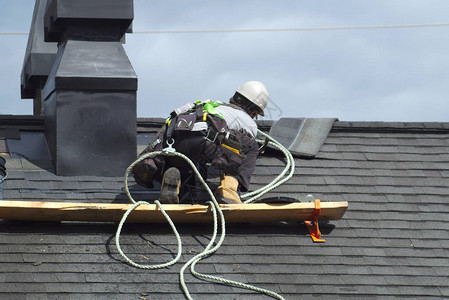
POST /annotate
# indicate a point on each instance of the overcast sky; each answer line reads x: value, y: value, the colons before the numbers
x: 395, y: 74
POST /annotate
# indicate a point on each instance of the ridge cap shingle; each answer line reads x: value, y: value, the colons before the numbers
x: 381, y: 126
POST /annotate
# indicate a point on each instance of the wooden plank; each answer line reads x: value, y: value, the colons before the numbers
x: 180, y: 213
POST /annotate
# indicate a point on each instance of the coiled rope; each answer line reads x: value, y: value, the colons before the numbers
x: 215, y: 207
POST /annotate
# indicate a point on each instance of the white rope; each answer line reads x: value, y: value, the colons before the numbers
x: 215, y: 207
x: 137, y: 204
x: 131, y: 262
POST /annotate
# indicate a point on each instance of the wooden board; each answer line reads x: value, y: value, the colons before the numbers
x: 180, y: 213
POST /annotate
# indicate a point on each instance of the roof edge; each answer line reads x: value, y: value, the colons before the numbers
x: 22, y: 122
x: 36, y: 123
x: 395, y: 127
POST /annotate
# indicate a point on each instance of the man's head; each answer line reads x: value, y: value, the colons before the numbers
x: 252, y: 96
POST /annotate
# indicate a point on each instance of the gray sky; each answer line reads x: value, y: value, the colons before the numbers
x: 396, y: 74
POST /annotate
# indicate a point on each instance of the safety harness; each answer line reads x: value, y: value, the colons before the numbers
x: 224, y: 147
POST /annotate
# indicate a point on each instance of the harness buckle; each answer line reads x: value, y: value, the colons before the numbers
x: 208, y: 138
x: 155, y: 143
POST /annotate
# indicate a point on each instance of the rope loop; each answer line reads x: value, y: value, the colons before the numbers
x: 172, y: 225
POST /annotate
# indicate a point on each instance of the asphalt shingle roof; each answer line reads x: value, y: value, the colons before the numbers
x: 393, y: 241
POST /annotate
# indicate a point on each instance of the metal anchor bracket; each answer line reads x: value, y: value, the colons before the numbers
x: 312, y: 224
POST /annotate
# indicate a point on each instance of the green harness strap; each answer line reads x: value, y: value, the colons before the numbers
x: 210, y: 106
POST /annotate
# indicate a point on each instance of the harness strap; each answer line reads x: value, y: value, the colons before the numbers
x: 170, y: 129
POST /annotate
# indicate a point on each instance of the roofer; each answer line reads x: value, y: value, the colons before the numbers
x: 208, y: 132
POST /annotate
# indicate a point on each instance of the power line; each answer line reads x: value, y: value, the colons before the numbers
x: 273, y: 29
x: 13, y: 33
x: 292, y: 29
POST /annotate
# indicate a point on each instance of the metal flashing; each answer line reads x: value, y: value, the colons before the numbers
x: 84, y: 65
x: 31, y: 145
x: 91, y: 132
x: 100, y: 19
x: 302, y: 136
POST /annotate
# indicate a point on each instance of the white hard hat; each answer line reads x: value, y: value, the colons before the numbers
x: 255, y: 92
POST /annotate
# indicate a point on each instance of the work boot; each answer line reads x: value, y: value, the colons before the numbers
x: 227, y: 190
x: 171, y: 182
x: 144, y: 172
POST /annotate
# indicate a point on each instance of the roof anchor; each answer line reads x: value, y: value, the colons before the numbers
x: 312, y: 223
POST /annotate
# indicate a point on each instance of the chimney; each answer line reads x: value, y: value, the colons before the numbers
x: 39, y: 58
x: 90, y: 94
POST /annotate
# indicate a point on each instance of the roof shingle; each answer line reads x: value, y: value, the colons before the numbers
x: 392, y: 242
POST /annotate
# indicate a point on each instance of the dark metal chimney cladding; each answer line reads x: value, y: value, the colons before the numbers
x: 90, y: 94
x: 38, y: 61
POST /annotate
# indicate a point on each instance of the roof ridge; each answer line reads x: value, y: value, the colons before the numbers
x: 396, y: 127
